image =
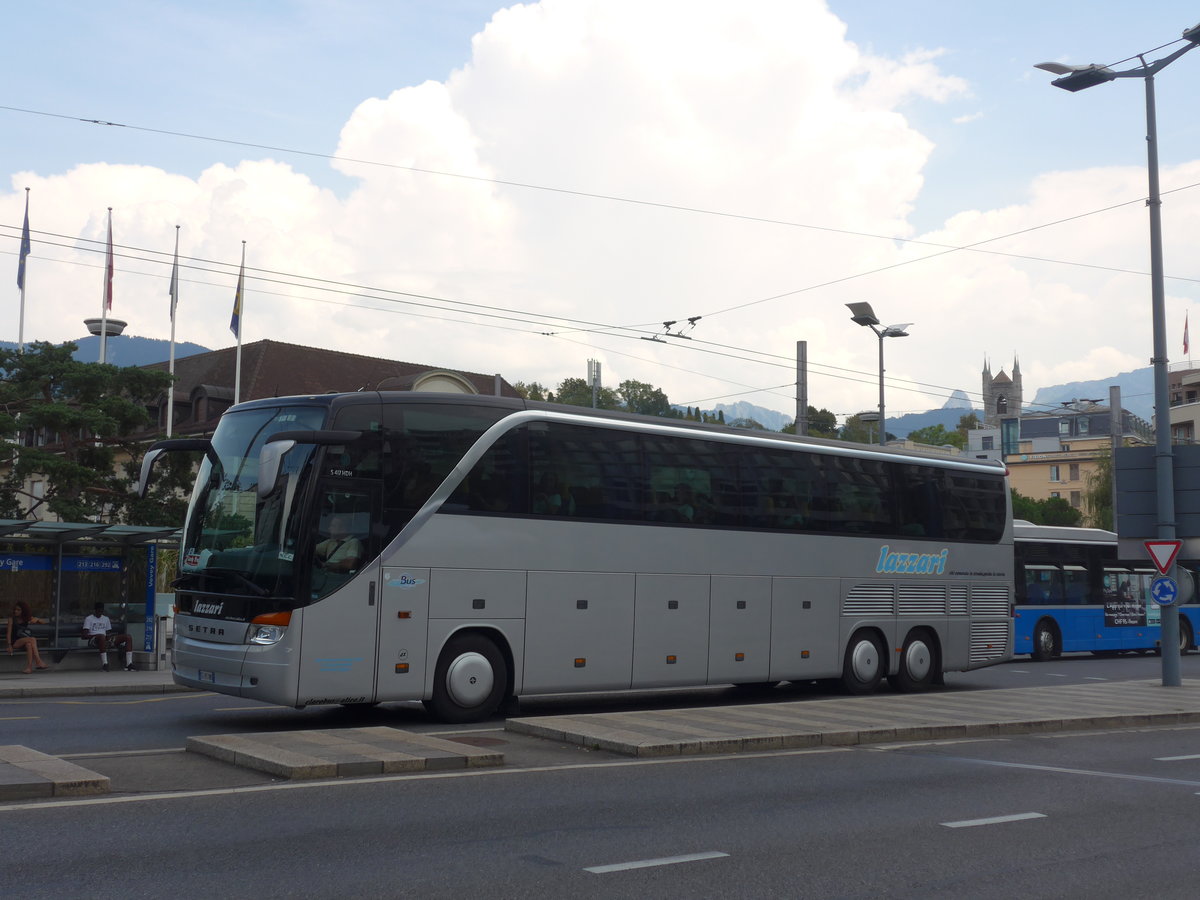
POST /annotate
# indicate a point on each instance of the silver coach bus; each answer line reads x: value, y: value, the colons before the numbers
x: 504, y: 547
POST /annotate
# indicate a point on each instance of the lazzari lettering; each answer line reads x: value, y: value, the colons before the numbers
x: 911, y: 563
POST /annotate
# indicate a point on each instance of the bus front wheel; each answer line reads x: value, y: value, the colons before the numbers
x: 918, y: 663
x: 470, y: 680
x: 1045, y: 642
x: 863, y: 666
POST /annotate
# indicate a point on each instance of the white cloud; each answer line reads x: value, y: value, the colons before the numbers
x: 761, y: 110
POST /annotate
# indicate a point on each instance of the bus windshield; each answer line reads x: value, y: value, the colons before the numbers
x: 235, y: 543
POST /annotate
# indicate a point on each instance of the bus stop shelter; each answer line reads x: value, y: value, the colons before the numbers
x: 62, y: 569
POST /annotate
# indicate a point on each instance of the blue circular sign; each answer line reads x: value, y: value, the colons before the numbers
x: 1164, y: 591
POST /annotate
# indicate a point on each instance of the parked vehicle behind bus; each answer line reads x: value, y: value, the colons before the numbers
x: 1075, y: 594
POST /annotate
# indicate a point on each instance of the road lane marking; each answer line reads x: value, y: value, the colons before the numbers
x: 651, y: 863
x: 17, y: 718
x: 388, y: 779
x: 1176, y: 758
x: 109, y: 753
x: 1062, y: 770
x: 169, y: 697
x: 994, y: 820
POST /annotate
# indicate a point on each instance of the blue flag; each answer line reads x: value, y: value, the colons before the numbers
x: 235, y: 321
x: 25, y: 247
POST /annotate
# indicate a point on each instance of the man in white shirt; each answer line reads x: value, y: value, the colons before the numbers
x: 98, y: 629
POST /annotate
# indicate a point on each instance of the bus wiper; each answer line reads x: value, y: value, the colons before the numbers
x: 256, y: 589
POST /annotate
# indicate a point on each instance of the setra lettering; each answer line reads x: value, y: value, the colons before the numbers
x: 911, y: 563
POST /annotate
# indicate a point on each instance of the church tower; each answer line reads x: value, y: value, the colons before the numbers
x: 1001, y: 394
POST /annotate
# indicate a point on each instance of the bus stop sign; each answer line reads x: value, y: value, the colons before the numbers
x: 1163, y: 553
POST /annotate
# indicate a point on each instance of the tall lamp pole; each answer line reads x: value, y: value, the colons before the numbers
x: 1078, y: 78
x: 862, y: 314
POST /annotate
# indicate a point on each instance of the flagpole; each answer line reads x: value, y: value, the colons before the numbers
x: 173, y: 290
x: 236, y: 325
x: 106, y: 300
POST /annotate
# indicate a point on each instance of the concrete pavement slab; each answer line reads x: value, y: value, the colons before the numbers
x: 878, y: 718
x: 342, y: 753
x: 27, y: 774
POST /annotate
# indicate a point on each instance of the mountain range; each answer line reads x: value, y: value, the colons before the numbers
x: 127, y: 351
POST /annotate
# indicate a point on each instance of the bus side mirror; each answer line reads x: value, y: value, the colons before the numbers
x: 175, y: 445
x: 270, y: 460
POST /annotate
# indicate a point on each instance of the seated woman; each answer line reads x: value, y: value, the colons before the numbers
x: 20, y: 636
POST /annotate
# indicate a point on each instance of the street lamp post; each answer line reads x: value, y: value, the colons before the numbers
x: 862, y: 314
x: 1078, y: 78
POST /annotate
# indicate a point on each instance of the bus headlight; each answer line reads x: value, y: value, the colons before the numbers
x: 268, y: 628
x: 266, y: 634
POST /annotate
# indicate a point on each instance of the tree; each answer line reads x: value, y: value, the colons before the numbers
x: 645, y: 399
x: 1098, y: 493
x: 937, y: 436
x: 1051, y: 511
x: 965, y: 424
x: 84, y: 416
x: 577, y: 392
x: 859, y: 431
x: 531, y: 391
x: 821, y: 423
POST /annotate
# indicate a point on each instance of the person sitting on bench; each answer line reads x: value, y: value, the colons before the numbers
x: 98, y: 629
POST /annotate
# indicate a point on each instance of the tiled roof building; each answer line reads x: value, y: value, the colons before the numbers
x: 204, y: 386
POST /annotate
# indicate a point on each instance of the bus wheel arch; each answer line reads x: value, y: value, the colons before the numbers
x: 920, y: 662
x: 864, y: 663
x: 1187, y: 638
x: 1047, y: 640
x: 472, y: 678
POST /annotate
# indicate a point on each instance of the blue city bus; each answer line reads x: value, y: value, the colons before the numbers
x: 1073, y: 593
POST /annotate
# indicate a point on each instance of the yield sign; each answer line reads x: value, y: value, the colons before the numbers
x: 1163, y: 553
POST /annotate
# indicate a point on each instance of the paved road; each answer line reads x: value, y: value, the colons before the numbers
x: 88, y: 723
x: 1064, y: 815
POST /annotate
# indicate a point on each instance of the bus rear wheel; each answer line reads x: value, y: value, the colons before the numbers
x: 1185, y: 636
x: 863, y: 665
x: 1045, y: 642
x: 470, y: 680
x: 918, y: 663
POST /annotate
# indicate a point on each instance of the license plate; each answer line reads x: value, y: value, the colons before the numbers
x: 210, y: 677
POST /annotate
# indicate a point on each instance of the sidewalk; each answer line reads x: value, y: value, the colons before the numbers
x: 60, y: 682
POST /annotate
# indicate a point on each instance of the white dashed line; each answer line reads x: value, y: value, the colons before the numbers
x: 994, y: 820
x: 1176, y: 758
x: 650, y: 863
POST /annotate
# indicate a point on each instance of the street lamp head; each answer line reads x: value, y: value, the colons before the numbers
x: 1192, y: 34
x: 862, y: 314
x: 1077, y: 78
x: 896, y: 330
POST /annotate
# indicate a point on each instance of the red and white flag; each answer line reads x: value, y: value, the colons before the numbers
x: 1185, y: 339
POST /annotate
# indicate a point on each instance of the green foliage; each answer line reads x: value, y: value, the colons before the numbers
x: 531, y: 391
x: 821, y: 423
x: 937, y: 436
x: 965, y: 424
x: 1051, y: 511
x: 577, y: 392
x: 86, y: 416
x: 645, y: 399
x: 1098, y: 494
x: 860, y: 432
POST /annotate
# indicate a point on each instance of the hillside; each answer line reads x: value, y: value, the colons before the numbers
x: 128, y: 351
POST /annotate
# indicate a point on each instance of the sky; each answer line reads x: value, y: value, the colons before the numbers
x: 519, y: 189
